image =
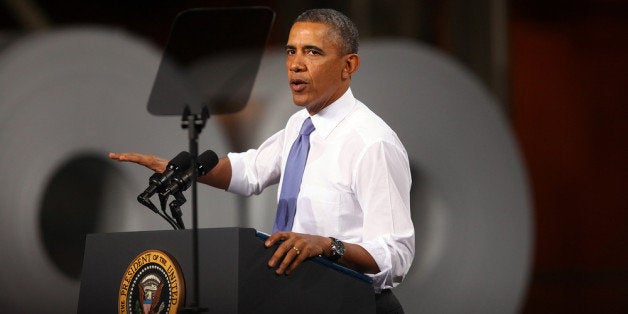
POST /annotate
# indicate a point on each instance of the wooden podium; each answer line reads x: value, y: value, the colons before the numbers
x: 233, y: 274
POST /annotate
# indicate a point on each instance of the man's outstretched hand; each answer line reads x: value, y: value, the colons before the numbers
x: 151, y: 162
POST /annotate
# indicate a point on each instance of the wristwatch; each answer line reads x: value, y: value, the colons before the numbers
x: 337, y: 249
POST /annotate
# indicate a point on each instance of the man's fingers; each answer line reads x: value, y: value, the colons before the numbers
x: 133, y: 157
x: 274, y: 238
x: 301, y: 256
x: 114, y: 156
x: 281, y: 250
x: 152, y: 162
x: 294, y: 249
x: 291, y: 255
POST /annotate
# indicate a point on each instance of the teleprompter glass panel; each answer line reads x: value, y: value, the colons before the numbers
x: 211, y: 59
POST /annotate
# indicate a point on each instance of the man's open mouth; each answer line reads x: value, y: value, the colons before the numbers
x: 297, y: 85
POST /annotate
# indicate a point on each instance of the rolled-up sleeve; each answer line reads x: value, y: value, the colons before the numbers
x: 382, y: 185
x: 252, y: 171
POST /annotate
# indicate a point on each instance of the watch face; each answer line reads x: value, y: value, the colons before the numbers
x: 340, y: 248
x: 337, y: 249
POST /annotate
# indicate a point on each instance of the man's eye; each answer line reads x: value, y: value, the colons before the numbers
x: 289, y: 51
x: 314, y: 52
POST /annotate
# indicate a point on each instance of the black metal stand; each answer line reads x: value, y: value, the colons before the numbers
x: 175, y: 208
x: 194, y: 123
x: 144, y: 200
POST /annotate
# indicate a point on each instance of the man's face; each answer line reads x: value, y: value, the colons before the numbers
x: 315, y: 66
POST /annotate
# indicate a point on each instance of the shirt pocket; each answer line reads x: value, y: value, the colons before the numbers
x: 318, y: 210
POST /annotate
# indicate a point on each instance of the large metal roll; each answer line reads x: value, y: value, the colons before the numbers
x: 67, y: 97
x: 470, y: 198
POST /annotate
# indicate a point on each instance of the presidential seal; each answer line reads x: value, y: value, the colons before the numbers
x: 153, y: 283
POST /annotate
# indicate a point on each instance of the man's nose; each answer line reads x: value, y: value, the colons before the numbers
x: 296, y: 65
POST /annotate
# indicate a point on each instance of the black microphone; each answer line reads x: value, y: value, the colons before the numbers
x: 205, y: 163
x: 179, y: 163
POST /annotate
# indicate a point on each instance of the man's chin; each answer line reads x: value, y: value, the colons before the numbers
x: 299, y: 100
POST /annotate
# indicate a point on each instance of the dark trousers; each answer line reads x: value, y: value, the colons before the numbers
x: 387, y: 303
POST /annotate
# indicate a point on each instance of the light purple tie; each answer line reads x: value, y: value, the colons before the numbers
x: 292, y: 177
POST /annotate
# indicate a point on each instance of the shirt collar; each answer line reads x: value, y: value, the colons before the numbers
x: 329, y: 117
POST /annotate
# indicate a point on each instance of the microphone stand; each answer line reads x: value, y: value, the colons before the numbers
x: 194, y: 123
x: 175, y: 208
x: 147, y: 202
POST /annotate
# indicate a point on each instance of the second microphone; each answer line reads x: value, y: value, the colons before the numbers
x: 179, y: 183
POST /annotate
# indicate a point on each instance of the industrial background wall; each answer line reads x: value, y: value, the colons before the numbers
x: 557, y: 68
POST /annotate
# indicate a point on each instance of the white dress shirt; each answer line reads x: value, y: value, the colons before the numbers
x: 356, y: 183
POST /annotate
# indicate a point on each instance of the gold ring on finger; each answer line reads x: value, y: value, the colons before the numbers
x: 297, y: 249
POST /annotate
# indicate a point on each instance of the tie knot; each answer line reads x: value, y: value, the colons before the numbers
x: 307, y: 127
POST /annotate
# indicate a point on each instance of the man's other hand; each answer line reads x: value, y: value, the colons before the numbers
x: 295, y: 248
x: 151, y: 162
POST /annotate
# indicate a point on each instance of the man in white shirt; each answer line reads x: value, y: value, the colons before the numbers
x: 353, y: 205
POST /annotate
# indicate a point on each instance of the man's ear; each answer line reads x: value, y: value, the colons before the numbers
x: 352, y: 63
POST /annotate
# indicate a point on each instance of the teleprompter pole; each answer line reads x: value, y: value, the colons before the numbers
x: 194, y: 123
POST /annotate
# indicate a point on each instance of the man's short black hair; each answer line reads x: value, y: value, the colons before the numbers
x: 346, y: 32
